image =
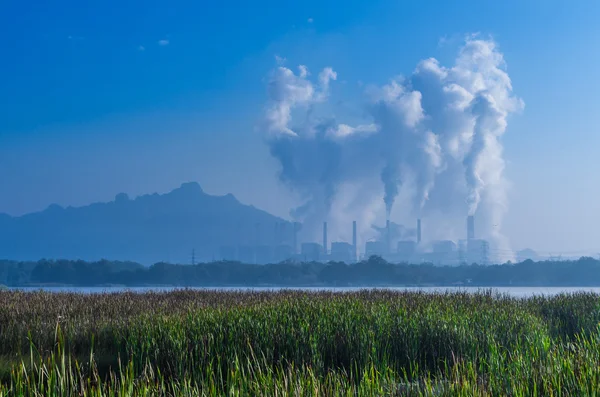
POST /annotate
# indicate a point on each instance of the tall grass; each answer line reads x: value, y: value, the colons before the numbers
x: 373, y: 342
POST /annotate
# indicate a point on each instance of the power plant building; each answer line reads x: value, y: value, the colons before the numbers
x: 342, y: 252
x: 477, y: 251
x: 406, y: 249
x: 443, y: 246
x: 375, y: 248
x: 440, y: 252
x: 311, y: 252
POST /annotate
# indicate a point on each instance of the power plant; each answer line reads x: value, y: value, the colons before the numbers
x: 388, y: 246
x: 408, y: 169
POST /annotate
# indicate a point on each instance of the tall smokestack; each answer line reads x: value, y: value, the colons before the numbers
x: 354, y: 250
x: 295, y: 242
x: 470, y: 227
x: 325, y: 238
x: 418, y: 231
x: 388, y: 236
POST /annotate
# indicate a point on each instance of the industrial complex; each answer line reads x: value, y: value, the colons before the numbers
x: 439, y: 252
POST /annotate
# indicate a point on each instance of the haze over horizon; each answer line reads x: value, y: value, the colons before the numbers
x: 93, y: 105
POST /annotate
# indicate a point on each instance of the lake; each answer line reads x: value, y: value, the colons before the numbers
x: 519, y: 292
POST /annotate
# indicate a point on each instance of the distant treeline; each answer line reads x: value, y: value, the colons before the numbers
x: 372, y: 272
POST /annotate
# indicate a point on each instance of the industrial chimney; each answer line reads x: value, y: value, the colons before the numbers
x: 354, y: 253
x: 388, y: 237
x: 295, y: 238
x: 325, y: 238
x: 470, y: 227
x: 418, y: 231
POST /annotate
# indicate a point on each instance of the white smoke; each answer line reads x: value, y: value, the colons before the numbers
x: 434, y: 135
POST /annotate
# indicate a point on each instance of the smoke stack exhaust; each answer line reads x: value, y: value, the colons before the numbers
x: 325, y: 238
x: 419, y: 231
x: 388, y: 236
x: 470, y: 227
x: 355, y: 251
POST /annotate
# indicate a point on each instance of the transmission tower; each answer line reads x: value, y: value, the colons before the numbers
x: 485, y: 252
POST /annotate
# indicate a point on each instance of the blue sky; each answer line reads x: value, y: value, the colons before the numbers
x: 140, y: 96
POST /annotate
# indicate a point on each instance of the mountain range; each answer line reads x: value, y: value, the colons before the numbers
x: 171, y: 227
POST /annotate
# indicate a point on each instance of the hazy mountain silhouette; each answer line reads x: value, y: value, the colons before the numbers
x: 148, y: 229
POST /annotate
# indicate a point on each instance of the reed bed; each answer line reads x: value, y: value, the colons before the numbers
x: 372, y: 342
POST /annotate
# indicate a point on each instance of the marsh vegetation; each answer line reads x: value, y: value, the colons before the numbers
x: 372, y: 342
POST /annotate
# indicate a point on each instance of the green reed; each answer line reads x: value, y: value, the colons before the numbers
x: 372, y: 342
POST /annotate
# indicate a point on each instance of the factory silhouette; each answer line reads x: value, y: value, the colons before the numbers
x: 169, y: 227
x: 284, y: 246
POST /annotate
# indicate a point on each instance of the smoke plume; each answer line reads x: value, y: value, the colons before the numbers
x: 435, y: 135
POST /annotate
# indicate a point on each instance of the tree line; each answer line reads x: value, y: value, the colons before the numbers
x: 372, y: 272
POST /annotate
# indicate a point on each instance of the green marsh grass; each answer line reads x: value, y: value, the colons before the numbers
x: 371, y: 342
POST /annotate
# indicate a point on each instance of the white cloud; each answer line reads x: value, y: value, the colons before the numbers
x: 344, y: 130
x: 280, y: 60
x: 325, y: 77
x: 163, y: 42
x: 303, y: 71
x: 310, y: 20
x: 286, y: 91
